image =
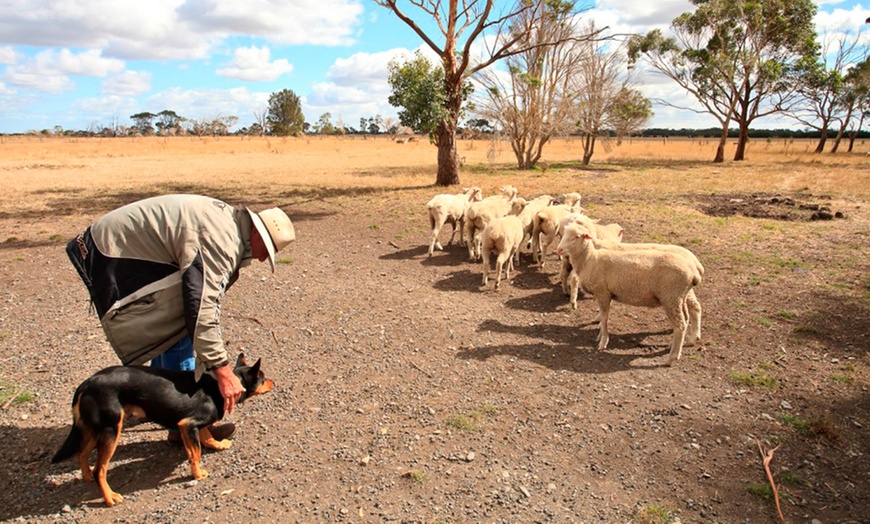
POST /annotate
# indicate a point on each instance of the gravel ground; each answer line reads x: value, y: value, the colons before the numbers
x: 405, y: 392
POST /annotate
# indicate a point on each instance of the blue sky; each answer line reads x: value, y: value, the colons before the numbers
x: 81, y: 64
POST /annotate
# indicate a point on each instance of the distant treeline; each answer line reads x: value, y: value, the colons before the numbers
x: 715, y: 132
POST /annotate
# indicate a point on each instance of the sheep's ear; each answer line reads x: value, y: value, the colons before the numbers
x: 587, y: 235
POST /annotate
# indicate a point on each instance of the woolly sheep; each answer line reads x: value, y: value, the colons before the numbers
x: 504, y: 236
x: 546, y: 223
x: 527, y: 217
x: 450, y: 208
x: 480, y: 213
x: 609, y: 232
x: 694, y: 306
x: 647, y: 278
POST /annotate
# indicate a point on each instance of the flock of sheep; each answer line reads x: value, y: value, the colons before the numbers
x: 593, y: 257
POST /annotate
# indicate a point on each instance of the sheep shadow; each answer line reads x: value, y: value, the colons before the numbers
x: 462, y: 280
x: 34, y: 486
x: 566, y: 357
x: 407, y: 254
x: 576, y: 342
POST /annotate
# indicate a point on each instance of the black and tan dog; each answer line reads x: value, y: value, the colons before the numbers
x: 173, y: 399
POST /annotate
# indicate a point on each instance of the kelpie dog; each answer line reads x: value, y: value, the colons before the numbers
x: 173, y: 399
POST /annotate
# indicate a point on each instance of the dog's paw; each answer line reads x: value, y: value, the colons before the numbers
x: 219, y: 445
x: 200, y: 474
x: 113, y: 498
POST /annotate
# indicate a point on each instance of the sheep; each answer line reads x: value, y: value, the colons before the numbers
x: 647, y: 278
x: 570, y: 283
x: 504, y: 236
x: 450, y: 208
x: 609, y: 232
x: 546, y: 221
x: 527, y: 216
x: 480, y: 213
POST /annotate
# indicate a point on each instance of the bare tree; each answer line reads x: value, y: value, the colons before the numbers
x: 261, y: 118
x: 461, y: 25
x: 532, y: 101
x: 597, y: 83
x: 822, y: 88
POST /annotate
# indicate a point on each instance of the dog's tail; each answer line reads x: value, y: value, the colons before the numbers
x: 73, y: 441
x: 70, y: 446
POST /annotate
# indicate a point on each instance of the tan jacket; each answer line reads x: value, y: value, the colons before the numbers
x: 162, y: 267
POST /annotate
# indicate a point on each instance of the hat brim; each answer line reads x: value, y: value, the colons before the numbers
x: 264, y: 234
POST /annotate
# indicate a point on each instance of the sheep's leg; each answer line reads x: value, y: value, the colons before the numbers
x: 603, y: 313
x: 574, y: 289
x: 461, y: 230
x: 469, y: 242
x: 433, y: 243
x: 677, y: 317
x: 452, y: 233
x: 536, y: 245
x: 565, y: 275
x: 694, y: 313
x: 545, y: 245
x: 499, y: 266
x: 485, y: 258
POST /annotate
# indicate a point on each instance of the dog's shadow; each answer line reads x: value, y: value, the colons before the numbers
x: 35, y: 487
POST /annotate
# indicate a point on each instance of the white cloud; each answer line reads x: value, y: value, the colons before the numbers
x: 128, y: 83
x: 365, y: 68
x: 253, y: 65
x: 8, y: 55
x: 209, y: 103
x: 313, y: 22
x: 638, y: 15
x: 174, y: 29
x: 840, y: 20
x: 49, y: 70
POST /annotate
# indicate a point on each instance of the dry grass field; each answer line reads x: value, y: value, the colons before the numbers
x: 409, y: 393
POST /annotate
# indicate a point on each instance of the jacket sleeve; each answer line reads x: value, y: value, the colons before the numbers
x: 204, y: 282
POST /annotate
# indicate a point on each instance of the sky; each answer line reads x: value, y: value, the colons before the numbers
x: 87, y: 64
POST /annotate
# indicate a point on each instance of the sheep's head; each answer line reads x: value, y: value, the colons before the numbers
x: 573, y: 235
x: 510, y: 191
x: 517, y: 205
x: 474, y: 194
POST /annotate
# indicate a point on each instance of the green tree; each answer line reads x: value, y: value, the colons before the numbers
x: 629, y: 113
x: 142, y: 122
x: 285, y: 116
x: 735, y: 57
x: 856, y: 100
x: 168, y: 122
x: 324, y: 125
x: 418, y: 89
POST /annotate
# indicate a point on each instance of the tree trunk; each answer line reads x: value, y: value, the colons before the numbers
x: 448, y: 167
x: 820, y: 148
x: 742, y: 140
x: 588, y: 148
x: 720, y: 150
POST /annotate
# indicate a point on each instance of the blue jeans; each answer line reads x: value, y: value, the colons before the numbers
x: 177, y: 358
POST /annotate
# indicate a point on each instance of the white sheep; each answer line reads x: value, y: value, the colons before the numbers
x: 480, y: 213
x: 527, y: 216
x: 545, y: 223
x: 450, y: 209
x: 504, y: 236
x: 610, y: 232
x: 647, y: 278
x: 570, y: 284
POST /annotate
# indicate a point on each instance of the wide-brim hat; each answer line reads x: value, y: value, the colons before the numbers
x: 275, y: 228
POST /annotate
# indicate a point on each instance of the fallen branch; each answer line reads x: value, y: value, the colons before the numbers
x: 767, y: 458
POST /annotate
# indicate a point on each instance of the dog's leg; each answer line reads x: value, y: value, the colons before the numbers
x: 107, y: 442
x: 209, y: 441
x: 190, y: 438
x: 89, y: 442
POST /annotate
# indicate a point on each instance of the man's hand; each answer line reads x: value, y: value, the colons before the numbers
x: 230, y: 387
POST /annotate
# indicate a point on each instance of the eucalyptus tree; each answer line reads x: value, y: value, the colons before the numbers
x: 737, y: 58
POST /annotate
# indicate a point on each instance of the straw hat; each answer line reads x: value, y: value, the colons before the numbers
x: 275, y: 225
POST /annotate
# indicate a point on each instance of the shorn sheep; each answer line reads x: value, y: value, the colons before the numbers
x: 450, y: 209
x: 647, y: 278
x: 611, y: 233
x: 480, y: 213
x: 503, y: 236
x: 545, y: 224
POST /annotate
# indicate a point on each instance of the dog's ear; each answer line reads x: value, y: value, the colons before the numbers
x: 241, y: 360
x: 255, y: 369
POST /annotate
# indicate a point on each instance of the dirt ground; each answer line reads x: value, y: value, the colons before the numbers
x: 406, y: 392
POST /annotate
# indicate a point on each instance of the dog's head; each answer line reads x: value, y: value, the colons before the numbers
x: 253, y: 380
